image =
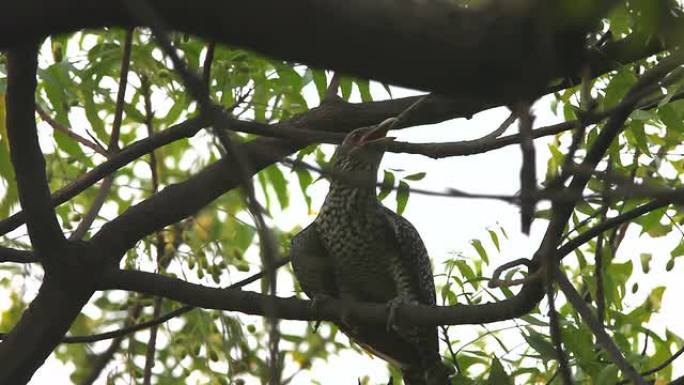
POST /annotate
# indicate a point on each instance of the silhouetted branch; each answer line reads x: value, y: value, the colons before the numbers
x: 8, y: 254
x: 556, y: 337
x: 329, y: 310
x: 27, y: 157
x: 608, y: 224
x: 121, y: 93
x: 68, y: 131
x: 597, y: 329
x: 528, y: 169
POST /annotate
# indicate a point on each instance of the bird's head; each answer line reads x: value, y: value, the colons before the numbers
x: 362, y: 149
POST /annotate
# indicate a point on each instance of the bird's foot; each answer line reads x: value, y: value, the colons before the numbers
x: 316, y: 302
x: 438, y: 373
x: 393, y: 304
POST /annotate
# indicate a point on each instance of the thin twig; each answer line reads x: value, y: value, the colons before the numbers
x: 598, y: 255
x: 206, y: 67
x: 151, y: 344
x: 159, y: 243
x: 113, y: 147
x: 597, y: 329
x: 121, y: 93
x: 608, y: 224
x: 101, y: 361
x: 69, y: 132
x: 556, y: 338
x: 496, y: 281
x: 658, y: 368
x: 331, y: 92
x: 501, y: 129
x: 94, y: 209
x: 528, y: 170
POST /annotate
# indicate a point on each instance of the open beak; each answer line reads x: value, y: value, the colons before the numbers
x: 378, y: 135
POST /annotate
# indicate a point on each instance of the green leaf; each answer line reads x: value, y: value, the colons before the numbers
x: 618, y: 87
x: 651, y: 220
x: 541, y: 344
x: 465, y: 270
x: 416, y: 176
x: 346, y: 87
x: 364, y: 90
x: 387, y: 185
x: 534, y: 321
x: 305, y: 179
x: 498, y: 375
x: 495, y: 239
x: 671, y: 118
x: 607, y: 375
x: 678, y: 251
x: 402, y: 196
x: 645, y: 259
x: 321, y: 83
x: 480, y: 250
x: 68, y: 145
x: 279, y: 185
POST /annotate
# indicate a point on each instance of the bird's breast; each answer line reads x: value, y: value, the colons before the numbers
x: 362, y: 249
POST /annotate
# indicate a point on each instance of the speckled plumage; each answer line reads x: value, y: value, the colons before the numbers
x: 358, y: 249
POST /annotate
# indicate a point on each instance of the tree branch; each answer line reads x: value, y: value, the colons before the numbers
x: 333, y: 117
x: 113, y: 146
x: 601, y: 336
x: 329, y: 310
x: 608, y: 224
x: 360, y: 38
x: 59, y: 127
x: 8, y: 254
x: 27, y: 158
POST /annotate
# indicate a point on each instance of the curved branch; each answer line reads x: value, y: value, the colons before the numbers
x: 329, y: 310
x: 658, y: 368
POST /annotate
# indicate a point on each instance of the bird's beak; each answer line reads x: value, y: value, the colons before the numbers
x: 378, y: 135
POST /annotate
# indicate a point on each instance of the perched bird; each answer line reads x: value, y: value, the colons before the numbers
x: 357, y: 249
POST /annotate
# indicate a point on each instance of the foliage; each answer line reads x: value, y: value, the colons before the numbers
x: 77, y: 83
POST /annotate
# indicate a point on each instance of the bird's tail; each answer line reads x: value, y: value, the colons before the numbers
x: 436, y: 374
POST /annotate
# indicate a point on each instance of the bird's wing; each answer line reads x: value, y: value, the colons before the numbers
x: 414, y: 264
x: 312, y: 264
x: 315, y: 272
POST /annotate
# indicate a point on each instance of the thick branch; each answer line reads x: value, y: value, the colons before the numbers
x: 27, y: 157
x: 39, y: 330
x: 369, y: 39
x: 8, y: 254
x: 329, y: 310
x: 333, y: 117
x: 132, y: 152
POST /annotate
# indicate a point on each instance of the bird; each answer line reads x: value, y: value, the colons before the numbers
x: 357, y: 249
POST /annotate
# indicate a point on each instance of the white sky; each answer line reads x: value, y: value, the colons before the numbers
x: 447, y: 225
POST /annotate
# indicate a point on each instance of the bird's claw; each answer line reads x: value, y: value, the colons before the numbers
x: 393, y: 304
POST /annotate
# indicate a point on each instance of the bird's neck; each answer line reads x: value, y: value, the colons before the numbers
x: 350, y: 198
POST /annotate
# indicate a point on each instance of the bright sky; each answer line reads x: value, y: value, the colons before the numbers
x: 447, y: 225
